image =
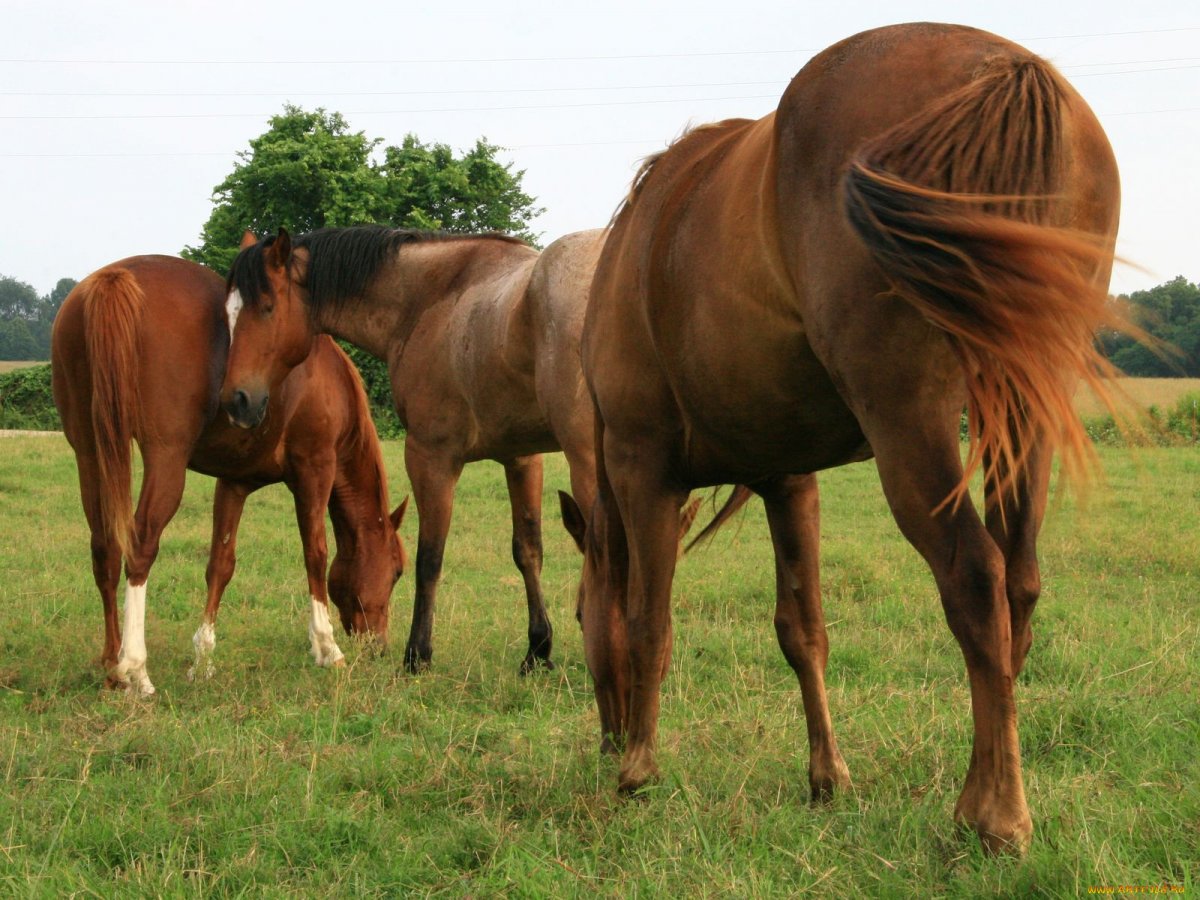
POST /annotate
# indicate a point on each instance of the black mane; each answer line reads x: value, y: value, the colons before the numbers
x: 341, y: 264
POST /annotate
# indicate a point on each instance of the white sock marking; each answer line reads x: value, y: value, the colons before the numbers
x: 131, y: 661
x: 205, y: 641
x: 320, y: 634
x: 233, y: 306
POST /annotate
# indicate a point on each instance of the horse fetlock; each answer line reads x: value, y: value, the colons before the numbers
x: 130, y: 675
x: 204, y: 641
x: 637, y: 770
x: 828, y: 777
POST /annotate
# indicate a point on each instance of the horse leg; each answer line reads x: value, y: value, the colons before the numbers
x: 1015, y: 532
x: 311, y: 495
x: 433, y: 478
x: 650, y: 512
x: 162, y: 488
x: 106, y: 558
x: 918, y: 471
x: 524, y: 477
x: 228, y: 502
x: 793, y: 513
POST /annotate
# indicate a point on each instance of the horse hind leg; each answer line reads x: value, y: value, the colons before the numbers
x: 106, y: 561
x: 1014, y: 521
x: 919, y: 468
x: 793, y: 514
x: 162, y: 489
x: 524, y: 477
x: 228, y: 501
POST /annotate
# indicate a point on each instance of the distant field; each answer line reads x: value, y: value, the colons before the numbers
x: 8, y: 365
x: 1139, y: 394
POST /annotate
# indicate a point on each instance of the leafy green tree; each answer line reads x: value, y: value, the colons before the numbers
x: 426, y: 186
x: 1170, y: 312
x: 17, y: 341
x: 308, y: 171
x: 18, y: 300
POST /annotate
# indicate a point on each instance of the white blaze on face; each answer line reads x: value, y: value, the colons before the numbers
x: 320, y: 634
x: 205, y: 641
x: 233, y: 306
x: 131, y: 662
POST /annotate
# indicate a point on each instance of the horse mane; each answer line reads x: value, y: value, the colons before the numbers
x: 362, y: 441
x: 342, y: 262
x: 691, y: 135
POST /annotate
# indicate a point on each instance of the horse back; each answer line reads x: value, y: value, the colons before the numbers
x: 179, y: 346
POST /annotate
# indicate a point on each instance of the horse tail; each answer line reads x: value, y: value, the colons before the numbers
x: 738, y: 497
x: 958, y: 206
x: 112, y: 312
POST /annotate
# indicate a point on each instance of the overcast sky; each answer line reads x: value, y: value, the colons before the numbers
x: 120, y: 117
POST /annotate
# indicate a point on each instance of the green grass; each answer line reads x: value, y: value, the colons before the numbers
x: 279, y: 778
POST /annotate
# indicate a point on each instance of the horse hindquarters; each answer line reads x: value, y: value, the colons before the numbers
x: 1017, y: 301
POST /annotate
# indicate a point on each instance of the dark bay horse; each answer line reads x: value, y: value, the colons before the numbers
x: 926, y: 221
x: 481, y: 337
x: 138, y: 352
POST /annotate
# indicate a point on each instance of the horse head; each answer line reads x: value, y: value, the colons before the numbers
x: 270, y: 328
x: 361, y: 579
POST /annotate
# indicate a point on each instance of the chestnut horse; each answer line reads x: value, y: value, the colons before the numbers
x: 926, y: 221
x: 138, y: 352
x: 481, y: 337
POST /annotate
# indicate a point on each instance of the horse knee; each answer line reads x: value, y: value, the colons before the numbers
x: 527, y: 549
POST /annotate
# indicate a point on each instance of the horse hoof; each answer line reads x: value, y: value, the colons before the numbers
x: 533, y: 663
x: 827, y: 785
x: 415, y: 664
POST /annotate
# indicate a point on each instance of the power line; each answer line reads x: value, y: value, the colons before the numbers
x: 504, y: 59
x: 392, y: 112
x: 544, y: 90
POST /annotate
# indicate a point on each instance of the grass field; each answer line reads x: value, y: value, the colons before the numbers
x: 7, y: 365
x: 278, y: 778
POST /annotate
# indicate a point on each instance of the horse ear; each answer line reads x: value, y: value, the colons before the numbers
x: 283, y: 243
x: 572, y: 518
x: 397, y: 515
x: 248, y: 239
x: 687, y: 516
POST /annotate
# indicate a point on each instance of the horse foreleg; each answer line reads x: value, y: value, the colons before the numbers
x: 650, y: 512
x: 524, y: 477
x: 433, y: 478
x: 793, y: 513
x: 228, y: 502
x: 311, y: 494
x: 162, y: 489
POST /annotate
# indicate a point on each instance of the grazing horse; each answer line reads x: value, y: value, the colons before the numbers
x: 481, y: 338
x: 926, y: 221
x: 137, y: 353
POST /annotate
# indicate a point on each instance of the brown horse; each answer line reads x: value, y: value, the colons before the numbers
x: 927, y: 220
x: 481, y: 337
x: 138, y: 352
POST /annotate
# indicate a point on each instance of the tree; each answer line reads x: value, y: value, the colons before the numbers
x: 427, y: 187
x: 1169, y: 312
x: 309, y: 171
x: 18, y: 300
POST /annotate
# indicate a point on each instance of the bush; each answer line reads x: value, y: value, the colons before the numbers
x: 26, y: 401
x: 378, y: 385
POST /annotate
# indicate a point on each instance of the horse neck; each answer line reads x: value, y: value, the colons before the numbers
x: 419, y: 276
x: 357, y: 506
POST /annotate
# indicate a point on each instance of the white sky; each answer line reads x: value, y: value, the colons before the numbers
x: 120, y: 117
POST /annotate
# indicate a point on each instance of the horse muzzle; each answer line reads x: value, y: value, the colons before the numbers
x: 246, y: 409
